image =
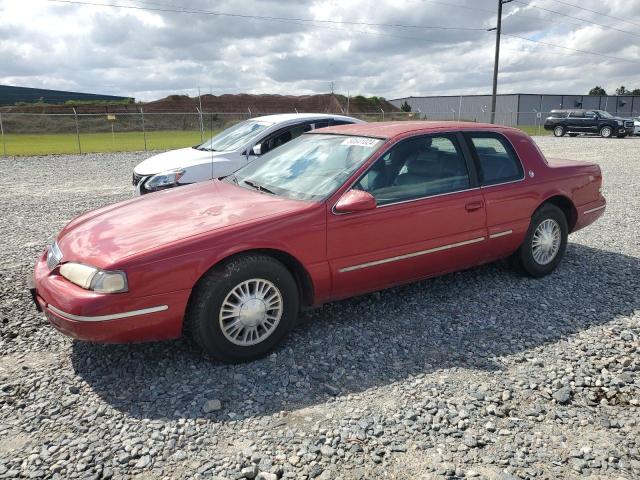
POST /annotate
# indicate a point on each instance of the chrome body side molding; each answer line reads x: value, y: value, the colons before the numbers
x: 104, y: 318
x: 409, y: 255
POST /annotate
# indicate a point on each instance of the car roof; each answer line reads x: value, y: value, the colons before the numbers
x: 289, y: 117
x: 395, y: 129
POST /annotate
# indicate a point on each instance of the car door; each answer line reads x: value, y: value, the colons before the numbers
x: 591, y: 121
x: 429, y: 219
x: 508, y: 194
x: 576, y: 121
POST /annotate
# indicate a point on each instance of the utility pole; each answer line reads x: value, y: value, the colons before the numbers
x: 496, y: 62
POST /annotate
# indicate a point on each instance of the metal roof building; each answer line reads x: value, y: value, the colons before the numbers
x: 517, y: 108
x: 10, y: 95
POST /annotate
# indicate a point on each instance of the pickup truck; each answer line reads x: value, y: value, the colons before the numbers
x: 334, y: 213
x: 598, y: 122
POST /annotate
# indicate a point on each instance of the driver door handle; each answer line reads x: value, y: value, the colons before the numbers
x: 473, y: 206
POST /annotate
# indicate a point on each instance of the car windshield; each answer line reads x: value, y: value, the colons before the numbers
x: 604, y: 114
x: 311, y: 167
x: 235, y: 137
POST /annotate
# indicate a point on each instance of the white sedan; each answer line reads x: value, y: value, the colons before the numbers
x: 636, y: 126
x: 227, y: 151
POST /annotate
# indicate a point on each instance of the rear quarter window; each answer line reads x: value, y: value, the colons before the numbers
x: 496, y: 158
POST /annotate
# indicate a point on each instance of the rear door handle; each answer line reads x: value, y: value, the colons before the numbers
x: 473, y: 206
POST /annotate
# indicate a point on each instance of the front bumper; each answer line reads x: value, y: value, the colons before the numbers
x: 106, y: 318
x: 625, y: 130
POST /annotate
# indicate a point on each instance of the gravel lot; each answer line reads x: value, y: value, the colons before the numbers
x: 481, y: 374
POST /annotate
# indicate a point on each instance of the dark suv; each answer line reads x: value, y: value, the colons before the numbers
x: 596, y: 122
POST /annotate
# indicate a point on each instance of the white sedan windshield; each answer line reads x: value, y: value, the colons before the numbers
x: 311, y: 167
x: 235, y: 137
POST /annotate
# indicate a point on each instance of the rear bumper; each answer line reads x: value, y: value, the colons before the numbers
x: 106, y: 318
x: 589, y: 213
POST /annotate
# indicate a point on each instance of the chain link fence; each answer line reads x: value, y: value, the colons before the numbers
x: 44, y: 134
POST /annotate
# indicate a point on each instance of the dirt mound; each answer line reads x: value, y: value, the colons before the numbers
x: 261, y: 104
x: 241, y: 103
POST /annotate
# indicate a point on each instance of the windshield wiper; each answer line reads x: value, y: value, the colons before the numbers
x: 257, y: 186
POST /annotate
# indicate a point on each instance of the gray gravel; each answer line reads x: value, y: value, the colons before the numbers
x: 478, y: 374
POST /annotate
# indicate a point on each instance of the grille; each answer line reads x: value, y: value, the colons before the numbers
x: 628, y: 123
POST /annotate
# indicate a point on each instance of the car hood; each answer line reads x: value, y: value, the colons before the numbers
x: 111, y: 234
x: 174, y: 159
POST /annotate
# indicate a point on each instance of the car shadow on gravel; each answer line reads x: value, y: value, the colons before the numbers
x: 467, y: 319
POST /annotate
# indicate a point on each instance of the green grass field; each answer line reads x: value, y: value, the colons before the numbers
x: 531, y: 130
x: 47, y: 144
x: 59, y: 143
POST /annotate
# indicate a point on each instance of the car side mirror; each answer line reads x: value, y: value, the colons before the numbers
x: 355, y: 201
x: 257, y: 149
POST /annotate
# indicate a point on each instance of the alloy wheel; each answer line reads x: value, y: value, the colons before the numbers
x: 251, y: 312
x: 546, y: 241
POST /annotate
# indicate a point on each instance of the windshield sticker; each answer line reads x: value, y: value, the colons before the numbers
x: 359, y: 142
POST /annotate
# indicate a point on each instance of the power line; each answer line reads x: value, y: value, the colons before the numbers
x: 513, y: 35
x: 528, y: 4
x: 596, y: 12
x: 311, y: 22
x: 265, y: 17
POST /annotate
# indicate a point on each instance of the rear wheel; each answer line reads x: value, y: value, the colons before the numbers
x: 545, y: 242
x: 241, y: 310
x: 605, y: 132
x: 558, y: 131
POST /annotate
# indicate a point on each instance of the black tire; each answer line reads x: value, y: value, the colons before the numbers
x: 202, y: 319
x: 523, y: 259
x: 558, y: 131
x: 573, y: 134
x: 606, y: 131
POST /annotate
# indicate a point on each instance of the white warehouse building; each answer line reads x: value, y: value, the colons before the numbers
x: 517, y: 108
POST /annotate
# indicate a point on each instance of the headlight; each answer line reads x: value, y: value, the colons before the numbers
x: 164, y: 180
x: 91, y: 278
x: 620, y: 123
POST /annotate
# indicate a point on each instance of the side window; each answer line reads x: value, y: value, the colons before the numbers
x: 590, y: 114
x: 320, y: 124
x: 415, y: 168
x: 340, y: 122
x: 498, y: 161
x: 283, y: 136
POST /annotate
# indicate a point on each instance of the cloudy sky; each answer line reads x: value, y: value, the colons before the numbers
x: 150, y: 51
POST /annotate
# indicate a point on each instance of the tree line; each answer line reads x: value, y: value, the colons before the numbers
x: 621, y: 90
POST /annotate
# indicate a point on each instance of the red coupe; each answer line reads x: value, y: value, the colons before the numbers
x: 337, y: 212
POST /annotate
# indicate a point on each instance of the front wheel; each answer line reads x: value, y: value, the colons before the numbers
x: 558, y: 131
x: 545, y: 242
x: 605, y: 132
x: 242, y: 309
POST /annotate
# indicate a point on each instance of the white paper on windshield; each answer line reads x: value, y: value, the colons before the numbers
x: 359, y: 142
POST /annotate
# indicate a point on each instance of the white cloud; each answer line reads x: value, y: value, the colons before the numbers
x: 149, y: 54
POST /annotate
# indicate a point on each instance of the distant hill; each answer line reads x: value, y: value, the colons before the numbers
x: 240, y: 103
